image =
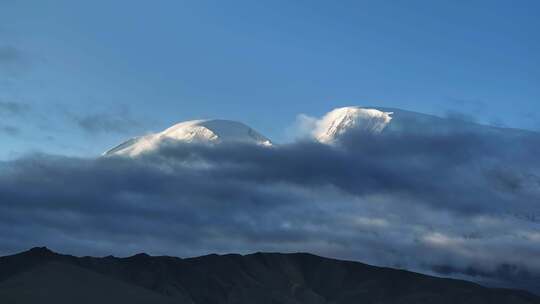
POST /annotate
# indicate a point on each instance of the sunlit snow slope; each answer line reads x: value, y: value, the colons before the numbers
x: 193, y: 131
x: 338, y: 122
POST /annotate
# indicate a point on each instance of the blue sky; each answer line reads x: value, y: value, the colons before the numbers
x: 78, y: 77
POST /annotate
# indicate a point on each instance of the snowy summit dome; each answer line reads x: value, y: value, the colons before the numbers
x: 339, y: 121
x: 193, y: 131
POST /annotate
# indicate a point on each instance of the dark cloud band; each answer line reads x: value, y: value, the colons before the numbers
x: 461, y: 202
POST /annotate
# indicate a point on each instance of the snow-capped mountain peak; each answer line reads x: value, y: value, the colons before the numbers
x: 194, y: 131
x: 339, y: 121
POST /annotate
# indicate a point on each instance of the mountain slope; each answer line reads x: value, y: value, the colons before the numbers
x: 354, y: 120
x: 340, y: 121
x: 193, y: 131
x: 254, y: 278
x: 64, y: 283
x: 329, y: 129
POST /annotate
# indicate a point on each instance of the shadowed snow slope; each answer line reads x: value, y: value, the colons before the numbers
x: 193, y: 131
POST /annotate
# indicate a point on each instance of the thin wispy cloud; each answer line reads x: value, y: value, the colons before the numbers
x: 13, y: 108
x: 10, y: 55
x: 13, y: 62
x: 9, y: 130
x: 106, y: 123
